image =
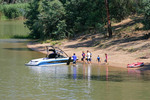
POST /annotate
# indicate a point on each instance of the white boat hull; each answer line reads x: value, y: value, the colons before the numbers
x: 47, y: 62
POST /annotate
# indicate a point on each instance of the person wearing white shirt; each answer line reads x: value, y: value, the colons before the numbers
x: 88, y: 56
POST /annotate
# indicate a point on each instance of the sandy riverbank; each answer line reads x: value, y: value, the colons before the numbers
x: 115, y: 58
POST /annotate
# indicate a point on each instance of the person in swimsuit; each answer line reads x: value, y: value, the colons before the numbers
x: 83, y: 56
x: 106, y: 58
x: 98, y: 59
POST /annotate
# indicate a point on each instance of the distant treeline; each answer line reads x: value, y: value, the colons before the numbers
x: 12, y: 11
x: 59, y: 19
x: 13, y: 1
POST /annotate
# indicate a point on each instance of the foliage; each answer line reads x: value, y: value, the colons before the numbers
x: 13, y: 1
x: 84, y: 14
x: 58, y: 19
x: 120, y: 9
x: 146, y: 12
x: 32, y: 22
x: 52, y: 19
x: 13, y: 10
x: 65, y: 18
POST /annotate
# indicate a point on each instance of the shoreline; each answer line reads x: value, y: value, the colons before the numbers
x: 124, y: 59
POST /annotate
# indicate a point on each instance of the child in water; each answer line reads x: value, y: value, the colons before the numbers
x: 98, y: 59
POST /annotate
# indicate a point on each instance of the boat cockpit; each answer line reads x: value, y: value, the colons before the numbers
x: 56, y: 53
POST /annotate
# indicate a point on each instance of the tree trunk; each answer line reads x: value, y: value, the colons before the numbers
x: 108, y: 19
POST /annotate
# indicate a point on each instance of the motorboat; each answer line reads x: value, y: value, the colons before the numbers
x: 135, y: 65
x: 55, y: 56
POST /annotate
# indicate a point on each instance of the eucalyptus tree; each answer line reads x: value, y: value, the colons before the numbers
x: 108, y: 19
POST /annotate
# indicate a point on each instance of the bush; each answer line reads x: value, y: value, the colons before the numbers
x: 146, y: 22
x: 13, y: 10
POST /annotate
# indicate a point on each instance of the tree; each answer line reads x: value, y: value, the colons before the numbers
x: 13, y: 1
x: 146, y: 11
x: 65, y: 18
x: 84, y: 15
x: 32, y: 19
x: 108, y: 19
x: 52, y: 17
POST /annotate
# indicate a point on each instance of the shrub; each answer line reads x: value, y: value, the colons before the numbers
x: 13, y: 10
x: 146, y: 22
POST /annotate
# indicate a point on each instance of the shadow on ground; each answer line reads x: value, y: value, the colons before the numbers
x: 128, y: 24
x: 101, y: 44
x: 126, y: 40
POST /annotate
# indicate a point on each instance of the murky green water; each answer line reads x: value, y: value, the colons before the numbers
x: 12, y: 29
x: 82, y: 82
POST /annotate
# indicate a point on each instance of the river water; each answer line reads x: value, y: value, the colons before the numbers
x: 81, y: 82
x: 13, y: 28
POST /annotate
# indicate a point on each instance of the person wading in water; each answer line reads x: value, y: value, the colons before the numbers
x: 83, y: 57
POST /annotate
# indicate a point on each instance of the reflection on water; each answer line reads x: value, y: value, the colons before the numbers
x: 79, y: 82
x: 13, y: 28
x: 54, y: 72
x: 74, y: 72
x: 85, y: 72
x: 88, y: 77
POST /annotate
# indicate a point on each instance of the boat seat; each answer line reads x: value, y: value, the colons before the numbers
x: 52, y: 55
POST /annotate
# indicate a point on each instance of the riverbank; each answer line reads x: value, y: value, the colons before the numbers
x: 116, y: 58
x: 130, y: 44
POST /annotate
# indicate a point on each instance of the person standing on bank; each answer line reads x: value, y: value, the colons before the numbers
x: 83, y: 57
x: 98, y: 59
x: 74, y: 58
x: 88, y: 56
x: 106, y: 57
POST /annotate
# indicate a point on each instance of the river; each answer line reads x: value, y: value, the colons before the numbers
x: 81, y: 82
x: 12, y: 29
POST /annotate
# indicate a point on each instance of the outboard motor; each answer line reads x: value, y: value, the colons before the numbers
x: 69, y: 60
